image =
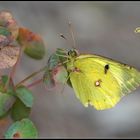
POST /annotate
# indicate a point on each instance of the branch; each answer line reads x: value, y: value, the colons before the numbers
x: 35, y: 83
x: 12, y: 73
x: 30, y: 76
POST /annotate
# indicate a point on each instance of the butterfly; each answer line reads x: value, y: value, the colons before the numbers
x: 98, y: 81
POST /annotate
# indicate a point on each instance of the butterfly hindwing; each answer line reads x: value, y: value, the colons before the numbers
x: 102, y: 82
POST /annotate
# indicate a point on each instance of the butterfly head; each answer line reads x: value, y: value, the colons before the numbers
x: 73, y: 53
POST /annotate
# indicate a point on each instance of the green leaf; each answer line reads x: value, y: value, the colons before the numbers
x: 60, y: 74
x: 56, y: 58
x: 19, y: 111
x: 62, y: 54
x: 48, y: 79
x: 5, y: 114
x: 23, y: 129
x: 53, y: 61
x: 35, y: 50
x: 4, y: 31
x: 10, y: 87
x: 33, y: 44
x: 6, y: 102
x: 54, y: 72
x: 25, y: 95
x: 4, y: 79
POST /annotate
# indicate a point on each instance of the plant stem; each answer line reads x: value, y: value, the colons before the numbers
x: 12, y: 73
x: 34, y: 83
x: 30, y: 76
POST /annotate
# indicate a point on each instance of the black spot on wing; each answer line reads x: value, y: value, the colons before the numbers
x: 106, y: 68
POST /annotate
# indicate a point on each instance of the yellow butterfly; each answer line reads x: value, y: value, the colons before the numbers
x: 99, y: 81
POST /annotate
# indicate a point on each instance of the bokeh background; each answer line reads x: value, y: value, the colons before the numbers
x: 105, y: 28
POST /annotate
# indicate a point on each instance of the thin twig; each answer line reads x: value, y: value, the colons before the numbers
x: 12, y: 73
x: 34, y: 83
x: 30, y: 76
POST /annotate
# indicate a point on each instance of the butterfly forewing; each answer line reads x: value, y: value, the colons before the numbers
x: 127, y: 76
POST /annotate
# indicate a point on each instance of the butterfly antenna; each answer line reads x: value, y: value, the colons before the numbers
x: 65, y: 38
x: 62, y: 36
x: 72, y: 34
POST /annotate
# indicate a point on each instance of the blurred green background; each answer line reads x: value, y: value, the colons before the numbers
x: 104, y: 28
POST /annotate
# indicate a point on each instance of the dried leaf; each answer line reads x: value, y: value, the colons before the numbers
x: 7, y: 20
x: 4, y: 41
x: 5, y: 37
x: 25, y: 35
x: 8, y: 56
x: 32, y: 43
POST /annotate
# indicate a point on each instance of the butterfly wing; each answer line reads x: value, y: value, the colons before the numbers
x: 101, y: 86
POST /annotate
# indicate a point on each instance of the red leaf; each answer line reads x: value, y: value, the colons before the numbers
x: 26, y: 36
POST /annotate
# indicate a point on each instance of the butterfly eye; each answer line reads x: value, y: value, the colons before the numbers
x: 73, y: 53
x: 69, y: 52
x: 76, y: 52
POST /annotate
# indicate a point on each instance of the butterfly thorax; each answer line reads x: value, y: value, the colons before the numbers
x: 73, y: 53
x: 71, y: 67
x: 70, y: 64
